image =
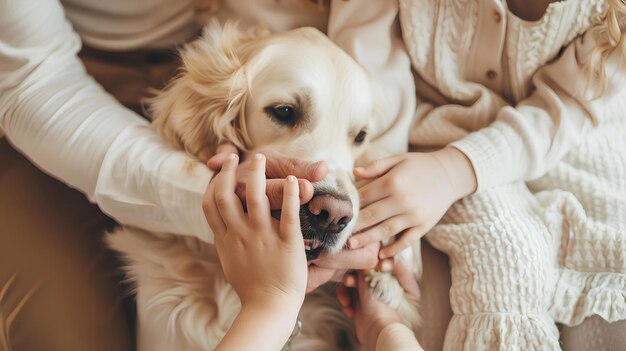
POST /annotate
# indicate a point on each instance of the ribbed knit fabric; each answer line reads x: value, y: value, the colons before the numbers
x: 522, y: 260
x: 544, y: 238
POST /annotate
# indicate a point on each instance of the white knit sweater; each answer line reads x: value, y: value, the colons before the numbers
x: 512, y: 95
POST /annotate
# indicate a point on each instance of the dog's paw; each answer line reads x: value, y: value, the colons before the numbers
x: 386, y: 288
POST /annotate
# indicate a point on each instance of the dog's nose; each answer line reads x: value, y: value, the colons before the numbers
x: 329, y: 213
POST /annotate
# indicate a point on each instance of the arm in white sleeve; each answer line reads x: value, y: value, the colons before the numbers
x: 65, y: 123
x: 369, y: 32
x: 525, y: 142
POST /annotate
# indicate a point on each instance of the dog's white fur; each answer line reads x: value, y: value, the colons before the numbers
x: 228, y: 80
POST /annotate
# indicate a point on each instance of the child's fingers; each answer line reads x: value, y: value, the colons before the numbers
x: 377, y: 190
x: 344, y: 296
x: 406, y: 239
x: 226, y: 201
x: 274, y: 191
x: 377, y: 168
x: 211, y: 212
x: 375, y: 213
x: 381, y: 231
x: 256, y: 201
x: 290, y: 214
x: 349, y: 280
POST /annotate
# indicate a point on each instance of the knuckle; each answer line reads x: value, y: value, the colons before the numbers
x: 376, y: 165
x: 292, y: 166
x: 274, y: 191
x: 221, y: 199
x: 207, y: 205
x: 386, y: 230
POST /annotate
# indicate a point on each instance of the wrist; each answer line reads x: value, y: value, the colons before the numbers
x: 459, y: 169
x: 259, y: 326
x: 377, y: 326
x: 279, y: 308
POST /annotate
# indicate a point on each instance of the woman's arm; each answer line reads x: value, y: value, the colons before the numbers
x: 528, y: 140
x: 64, y: 122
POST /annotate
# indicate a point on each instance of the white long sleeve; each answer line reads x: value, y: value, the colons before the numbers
x: 527, y: 141
x: 61, y: 119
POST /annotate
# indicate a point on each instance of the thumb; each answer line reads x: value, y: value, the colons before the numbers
x: 289, y: 227
x: 377, y: 168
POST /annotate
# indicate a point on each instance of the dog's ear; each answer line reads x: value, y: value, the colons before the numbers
x: 205, y: 104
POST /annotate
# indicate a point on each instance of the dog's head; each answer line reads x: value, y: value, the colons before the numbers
x: 294, y: 92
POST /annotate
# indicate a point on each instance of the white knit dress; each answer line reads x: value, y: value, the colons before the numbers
x: 544, y: 237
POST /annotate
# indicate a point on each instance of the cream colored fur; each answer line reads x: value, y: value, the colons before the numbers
x: 227, y: 80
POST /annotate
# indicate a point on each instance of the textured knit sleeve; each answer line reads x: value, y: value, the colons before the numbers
x: 397, y: 337
x: 528, y: 140
x: 369, y: 32
x: 65, y: 123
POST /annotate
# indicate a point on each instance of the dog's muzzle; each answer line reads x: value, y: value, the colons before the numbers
x: 322, y: 220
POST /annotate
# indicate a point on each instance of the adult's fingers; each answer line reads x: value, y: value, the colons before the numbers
x: 406, y: 239
x: 381, y: 231
x: 222, y: 152
x: 274, y: 190
x: 279, y: 166
x: 378, y: 167
x: 318, y: 276
x: 226, y: 201
x: 256, y: 201
x: 290, y: 213
x: 406, y: 277
x: 363, y: 258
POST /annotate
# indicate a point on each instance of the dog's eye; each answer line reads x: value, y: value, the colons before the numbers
x: 360, y: 138
x: 284, y: 114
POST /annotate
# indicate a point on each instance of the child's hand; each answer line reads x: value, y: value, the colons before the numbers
x: 370, y: 315
x: 409, y: 193
x: 277, y: 167
x: 262, y: 259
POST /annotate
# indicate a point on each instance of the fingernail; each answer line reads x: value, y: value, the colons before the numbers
x: 359, y: 169
x: 291, y: 179
x: 353, y: 242
x: 231, y: 157
x: 258, y: 156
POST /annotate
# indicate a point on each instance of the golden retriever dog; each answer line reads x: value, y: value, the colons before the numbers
x: 296, y: 93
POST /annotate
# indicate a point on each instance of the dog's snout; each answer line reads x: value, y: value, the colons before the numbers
x: 329, y: 213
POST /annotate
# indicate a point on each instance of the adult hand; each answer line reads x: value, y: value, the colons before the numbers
x: 409, y: 194
x: 370, y: 315
x: 277, y: 168
x: 333, y: 266
x: 263, y: 259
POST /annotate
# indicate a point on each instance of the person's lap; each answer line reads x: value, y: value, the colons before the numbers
x: 59, y: 289
x: 595, y: 196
